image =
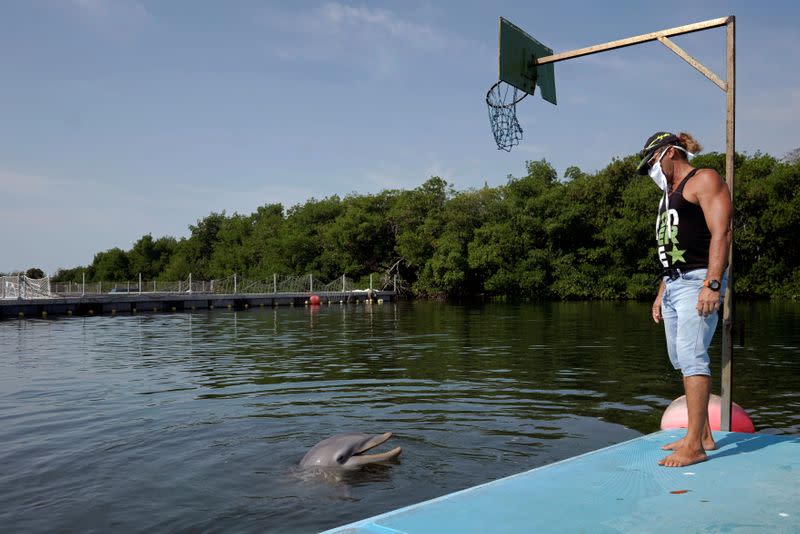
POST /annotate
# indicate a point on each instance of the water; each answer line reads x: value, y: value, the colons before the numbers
x: 197, y: 421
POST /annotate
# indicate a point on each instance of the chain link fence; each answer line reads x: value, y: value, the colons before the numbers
x: 22, y: 287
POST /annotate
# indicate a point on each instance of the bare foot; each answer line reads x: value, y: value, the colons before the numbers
x: 683, y: 457
x: 708, y: 444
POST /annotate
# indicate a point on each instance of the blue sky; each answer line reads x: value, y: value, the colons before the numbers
x: 120, y: 118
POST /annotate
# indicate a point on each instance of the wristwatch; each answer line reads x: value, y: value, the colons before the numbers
x: 713, y: 285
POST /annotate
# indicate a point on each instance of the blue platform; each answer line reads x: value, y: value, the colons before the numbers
x: 751, y: 483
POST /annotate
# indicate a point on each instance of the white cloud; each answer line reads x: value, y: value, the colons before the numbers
x: 538, y: 151
x: 342, y: 18
x: 781, y: 105
x: 767, y: 120
x: 52, y: 222
x: 373, y: 37
x: 243, y: 201
x: 611, y: 62
x: 49, y: 222
x: 12, y: 183
x: 437, y: 168
x: 334, y: 19
x: 120, y: 19
x: 379, y: 180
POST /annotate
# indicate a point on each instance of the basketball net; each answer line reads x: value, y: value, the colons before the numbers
x: 501, y: 100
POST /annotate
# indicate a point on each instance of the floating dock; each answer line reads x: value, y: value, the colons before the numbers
x: 751, y: 483
x: 114, y: 303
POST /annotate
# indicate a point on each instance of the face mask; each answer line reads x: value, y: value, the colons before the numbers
x: 657, y: 174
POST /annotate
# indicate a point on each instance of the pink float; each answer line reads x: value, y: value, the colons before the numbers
x: 313, y: 300
x: 675, y: 416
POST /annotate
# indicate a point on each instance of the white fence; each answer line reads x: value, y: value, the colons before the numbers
x: 22, y: 287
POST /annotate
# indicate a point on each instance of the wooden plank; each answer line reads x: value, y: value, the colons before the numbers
x: 621, y: 43
x: 705, y: 71
x: 728, y: 309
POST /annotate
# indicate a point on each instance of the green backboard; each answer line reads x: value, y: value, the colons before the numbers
x: 518, y: 51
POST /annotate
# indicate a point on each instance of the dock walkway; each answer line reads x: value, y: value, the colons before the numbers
x: 751, y: 483
x: 114, y: 303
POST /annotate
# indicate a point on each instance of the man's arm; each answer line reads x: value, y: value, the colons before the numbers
x: 714, y: 198
x: 657, y: 303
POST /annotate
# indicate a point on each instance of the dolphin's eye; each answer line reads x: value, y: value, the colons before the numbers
x: 340, y: 459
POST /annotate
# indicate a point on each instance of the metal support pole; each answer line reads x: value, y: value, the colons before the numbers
x: 234, y: 283
x: 370, y: 284
x: 140, y: 283
x: 311, y: 283
x: 727, y: 306
x: 190, y: 282
x: 83, y: 284
x: 154, y: 286
x: 19, y: 286
x: 343, y: 286
x: 274, y: 282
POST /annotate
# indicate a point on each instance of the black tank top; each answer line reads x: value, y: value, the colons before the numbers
x: 687, y: 249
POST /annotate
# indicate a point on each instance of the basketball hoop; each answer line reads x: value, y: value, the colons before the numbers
x: 502, y: 99
x: 519, y: 73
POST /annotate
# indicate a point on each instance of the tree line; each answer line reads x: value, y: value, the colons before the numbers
x: 539, y: 236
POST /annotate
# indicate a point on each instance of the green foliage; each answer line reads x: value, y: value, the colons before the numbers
x: 150, y: 257
x: 111, y: 265
x: 34, y: 272
x: 415, y: 220
x: 767, y: 214
x: 68, y: 275
x: 585, y: 236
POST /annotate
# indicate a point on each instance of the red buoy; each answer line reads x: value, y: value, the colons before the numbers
x: 676, y: 415
x: 313, y: 300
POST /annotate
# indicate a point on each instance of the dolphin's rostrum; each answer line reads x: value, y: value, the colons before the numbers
x: 347, y: 450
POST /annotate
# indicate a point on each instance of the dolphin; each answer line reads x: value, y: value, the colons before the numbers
x: 346, y: 451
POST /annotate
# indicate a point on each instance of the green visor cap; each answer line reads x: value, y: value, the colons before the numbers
x: 653, y: 143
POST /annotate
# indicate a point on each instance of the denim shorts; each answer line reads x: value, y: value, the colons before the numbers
x: 688, y: 332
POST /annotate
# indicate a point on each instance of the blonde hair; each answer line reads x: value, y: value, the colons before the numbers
x: 689, y: 143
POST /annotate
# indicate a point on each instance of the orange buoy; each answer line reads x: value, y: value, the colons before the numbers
x: 676, y: 415
x: 313, y: 300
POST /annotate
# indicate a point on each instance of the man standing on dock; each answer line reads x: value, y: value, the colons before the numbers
x: 693, y: 234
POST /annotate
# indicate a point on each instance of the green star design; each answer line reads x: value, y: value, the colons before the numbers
x: 677, y: 255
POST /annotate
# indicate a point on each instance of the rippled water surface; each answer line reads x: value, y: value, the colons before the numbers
x: 198, y: 421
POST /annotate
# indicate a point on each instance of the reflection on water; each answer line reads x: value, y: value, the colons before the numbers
x: 198, y: 421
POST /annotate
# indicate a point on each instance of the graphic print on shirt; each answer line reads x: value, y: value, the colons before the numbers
x: 663, y: 226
